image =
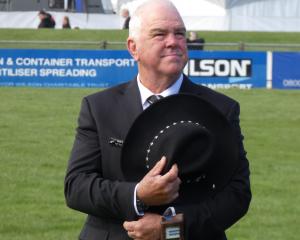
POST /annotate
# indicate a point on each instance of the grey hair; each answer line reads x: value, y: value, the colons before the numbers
x: 135, y: 23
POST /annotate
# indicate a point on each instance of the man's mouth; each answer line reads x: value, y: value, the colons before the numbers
x: 172, y: 55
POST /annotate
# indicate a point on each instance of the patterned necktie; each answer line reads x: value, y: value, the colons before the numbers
x: 153, y: 98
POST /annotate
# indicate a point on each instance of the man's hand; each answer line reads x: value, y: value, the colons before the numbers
x: 155, y: 189
x: 146, y: 228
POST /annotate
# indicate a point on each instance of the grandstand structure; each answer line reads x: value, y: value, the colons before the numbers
x: 89, y: 6
x: 214, y: 15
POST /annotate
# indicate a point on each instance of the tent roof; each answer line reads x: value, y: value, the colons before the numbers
x: 232, y: 3
x: 200, y: 7
x: 222, y: 7
x: 225, y: 4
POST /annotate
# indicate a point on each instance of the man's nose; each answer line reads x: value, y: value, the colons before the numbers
x: 171, y: 40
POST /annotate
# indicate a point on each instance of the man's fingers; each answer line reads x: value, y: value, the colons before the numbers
x: 158, y: 167
x: 172, y: 174
x: 129, y: 226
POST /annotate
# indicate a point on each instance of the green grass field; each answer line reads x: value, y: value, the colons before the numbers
x: 37, y: 128
x: 98, y: 36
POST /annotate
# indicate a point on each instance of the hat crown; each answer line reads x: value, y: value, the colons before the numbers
x: 186, y: 143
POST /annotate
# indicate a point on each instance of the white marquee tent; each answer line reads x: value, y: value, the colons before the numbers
x: 220, y: 15
x: 238, y: 15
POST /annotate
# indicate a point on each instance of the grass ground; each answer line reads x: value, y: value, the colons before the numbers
x: 121, y: 35
x: 36, y: 133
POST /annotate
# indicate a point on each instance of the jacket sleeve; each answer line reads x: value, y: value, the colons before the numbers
x: 212, y: 217
x: 85, y: 188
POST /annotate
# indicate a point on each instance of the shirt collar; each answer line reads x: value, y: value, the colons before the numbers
x: 145, y: 92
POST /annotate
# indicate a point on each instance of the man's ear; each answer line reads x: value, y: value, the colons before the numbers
x: 132, y: 48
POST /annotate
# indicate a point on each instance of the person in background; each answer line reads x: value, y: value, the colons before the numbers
x: 66, y: 22
x: 125, y: 14
x: 94, y: 183
x: 46, y: 20
x: 194, y: 42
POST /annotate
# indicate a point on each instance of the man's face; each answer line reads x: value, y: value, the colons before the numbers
x: 160, y: 48
x: 41, y: 16
x: 125, y: 13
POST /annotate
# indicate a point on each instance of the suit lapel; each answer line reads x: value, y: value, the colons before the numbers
x: 130, y: 102
x: 188, y: 86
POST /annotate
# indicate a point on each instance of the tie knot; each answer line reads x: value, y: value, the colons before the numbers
x: 153, y: 98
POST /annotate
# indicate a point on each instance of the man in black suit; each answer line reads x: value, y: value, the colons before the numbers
x: 46, y: 20
x: 94, y: 182
x: 126, y: 16
x: 194, y: 42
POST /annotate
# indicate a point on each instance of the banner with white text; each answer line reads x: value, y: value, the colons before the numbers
x: 106, y: 68
x: 226, y: 69
x: 65, y: 68
x: 286, y: 70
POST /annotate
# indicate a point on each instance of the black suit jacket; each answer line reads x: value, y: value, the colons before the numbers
x: 47, y: 22
x: 197, y: 44
x: 94, y: 182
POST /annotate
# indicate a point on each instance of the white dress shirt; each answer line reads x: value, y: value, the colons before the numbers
x: 145, y: 92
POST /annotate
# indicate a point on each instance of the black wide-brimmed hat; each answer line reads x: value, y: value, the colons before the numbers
x: 190, y: 132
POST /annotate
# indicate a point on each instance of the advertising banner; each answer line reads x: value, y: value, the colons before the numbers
x: 106, y: 68
x: 286, y: 70
x: 65, y: 68
x: 227, y: 69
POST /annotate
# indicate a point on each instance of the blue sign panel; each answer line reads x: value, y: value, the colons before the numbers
x: 65, y: 68
x: 105, y: 68
x: 286, y: 70
x: 227, y: 69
